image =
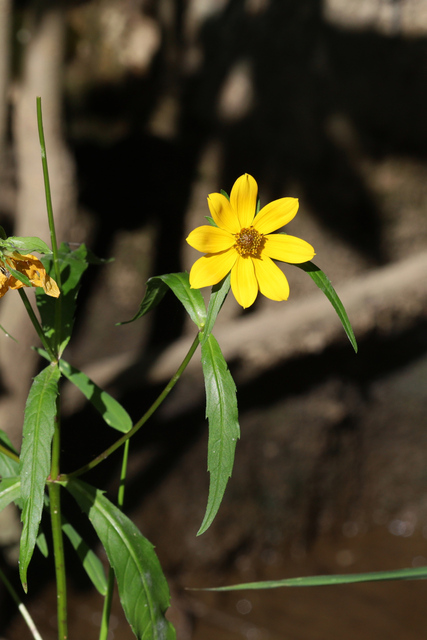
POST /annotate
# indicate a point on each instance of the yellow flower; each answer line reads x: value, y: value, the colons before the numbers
x: 245, y: 245
x: 31, y: 267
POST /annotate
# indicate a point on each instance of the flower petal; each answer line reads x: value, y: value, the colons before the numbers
x: 4, y: 284
x: 276, y: 214
x: 272, y: 281
x: 223, y: 213
x: 243, y: 198
x: 212, y: 268
x: 287, y: 248
x: 209, y: 239
x: 243, y: 282
x: 51, y: 288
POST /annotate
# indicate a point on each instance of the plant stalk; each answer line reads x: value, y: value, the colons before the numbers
x: 170, y: 385
x: 56, y: 523
x: 51, y: 222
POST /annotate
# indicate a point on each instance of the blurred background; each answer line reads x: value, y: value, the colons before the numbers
x: 149, y: 106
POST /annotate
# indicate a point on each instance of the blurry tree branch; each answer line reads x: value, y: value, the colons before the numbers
x: 41, y: 76
x: 5, y: 19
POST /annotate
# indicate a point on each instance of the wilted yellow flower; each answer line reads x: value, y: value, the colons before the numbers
x: 31, y: 267
x: 243, y: 244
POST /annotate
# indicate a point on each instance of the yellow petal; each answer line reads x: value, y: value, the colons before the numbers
x: 287, y: 248
x: 272, y: 281
x: 14, y: 283
x: 243, y: 281
x: 243, y: 198
x: 223, y: 213
x: 211, y: 269
x: 209, y: 239
x: 4, y: 284
x: 51, y: 288
x: 275, y: 215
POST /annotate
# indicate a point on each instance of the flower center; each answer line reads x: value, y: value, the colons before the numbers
x: 248, y: 242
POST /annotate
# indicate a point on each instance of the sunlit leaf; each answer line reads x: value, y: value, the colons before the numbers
x: 157, y: 286
x: 418, y: 573
x: 324, y: 284
x: 39, y: 417
x: 25, y: 244
x: 221, y: 411
x: 112, y: 411
x: 143, y: 590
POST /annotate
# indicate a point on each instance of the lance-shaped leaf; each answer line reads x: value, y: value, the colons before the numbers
x: 218, y: 296
x: 72, y: 265
x: 25, y: 244
x: 39, y: 418
x: 221, y: 411
x: 10, y: 491
x: 417, y: 573
x: 90, y: 561
x: 143, y: 589
x: 8, y: 466
x: 324, y: 284
x: 112, y: 411
x: 157, y: 286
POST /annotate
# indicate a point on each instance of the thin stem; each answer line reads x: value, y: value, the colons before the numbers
x: 105, y: 621
x: 21, y: 607
x: 51, y: 221
x: 36, y: 324
x: 56, y: 523
x: 170, y: 385
x: 47, y: 191
x: 58, y: 551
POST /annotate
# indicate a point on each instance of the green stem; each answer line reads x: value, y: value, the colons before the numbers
x: 36, y: 324
x: 110, y: 586
x: 51, y: 221
x: 22, y: 608
x: 47, y: 192
x: 10, y: 454
x: 170, y: 385
x: 56, y: 523
x: 58, y: 551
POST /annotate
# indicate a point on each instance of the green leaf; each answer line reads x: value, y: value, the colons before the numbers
x: 211, y: 221
x: 91, y: 563
x: 112, y: 411
x: 143, y: 589
x: 72, y: 265
x: 8, y: 466
x: 42, y: 544
x: 221, y: 411
x: 218, y: 295
x: 10, y: 491
x: 419, y: 573
x: 39, y: 418
x: 25, y: 244
x: 192, y: 299
x: 7, y: 334
x: 224, y: 193
x: 323, y: 282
